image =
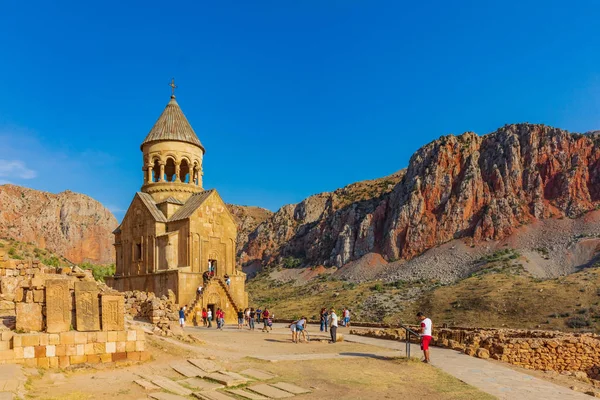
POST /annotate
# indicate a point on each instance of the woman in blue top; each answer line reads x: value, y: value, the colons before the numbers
x: 300, y: 325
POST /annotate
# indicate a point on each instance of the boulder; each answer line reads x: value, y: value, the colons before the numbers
x: 482, y: 353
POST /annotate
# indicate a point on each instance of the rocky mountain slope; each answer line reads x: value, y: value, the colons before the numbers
x: 70, y: 224
x: 318, y: 229
x: 478, y: 187
x: 248, y: 219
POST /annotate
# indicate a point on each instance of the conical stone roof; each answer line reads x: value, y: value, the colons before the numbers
x: 173, y: 125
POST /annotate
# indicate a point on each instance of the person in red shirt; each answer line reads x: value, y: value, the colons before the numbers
x: 204, y: 317
x: 426, y: 329
x: 266, y: 314
x: 220, y: 319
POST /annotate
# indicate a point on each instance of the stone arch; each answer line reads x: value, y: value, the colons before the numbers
x: 184, y: 170
x: 170, y: 169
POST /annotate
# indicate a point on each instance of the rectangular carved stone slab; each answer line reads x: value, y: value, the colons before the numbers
x: 288, y: 387
x: 87, y: 312
x: 247, y: 395
x: 201, y: 384
x: 58, y: 306
x: 258, y: 374
x: 113, y: 313
x: 270, y: 392
x: 29, y: 317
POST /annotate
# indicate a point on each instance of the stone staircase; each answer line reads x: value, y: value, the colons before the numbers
x: 190, y: 309
x: 226, y: 290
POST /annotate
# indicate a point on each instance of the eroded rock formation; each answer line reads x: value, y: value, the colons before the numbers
x: 482, y: 187
x: 70, y: 224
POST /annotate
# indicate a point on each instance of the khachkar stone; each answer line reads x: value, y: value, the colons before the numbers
x: 87, y: 312
x: 58, y: 306
x: 113, y: 313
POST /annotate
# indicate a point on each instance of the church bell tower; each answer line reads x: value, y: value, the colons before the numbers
x: 172, y: 156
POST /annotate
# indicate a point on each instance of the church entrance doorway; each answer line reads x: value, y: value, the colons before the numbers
x: 212, y: 268
x: 213, y: 310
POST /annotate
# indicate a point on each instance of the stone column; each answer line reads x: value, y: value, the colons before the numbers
x: 177, y: 170
x: 149, y: 169
x: 161, y: 178
x: 192, y: 175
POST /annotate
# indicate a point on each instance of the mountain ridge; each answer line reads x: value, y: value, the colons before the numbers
x: 71, y: 224
x: 465, y: 186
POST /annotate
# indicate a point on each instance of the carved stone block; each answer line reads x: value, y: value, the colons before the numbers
x: 58, y: 306
x: 113, y: 313
x: 29, y: 317
x: 87, y: 311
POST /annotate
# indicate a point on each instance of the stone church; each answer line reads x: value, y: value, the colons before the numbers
x: 174, y: 230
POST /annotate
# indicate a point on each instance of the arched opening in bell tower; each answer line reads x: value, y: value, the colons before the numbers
x: 184, y: 171
x: 156, y: 170
x: 170, y: 170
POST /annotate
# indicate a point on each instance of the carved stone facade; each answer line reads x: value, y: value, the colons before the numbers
x: 174, y: 230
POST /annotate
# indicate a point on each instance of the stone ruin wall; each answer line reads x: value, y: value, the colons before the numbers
x: 575, y: 354
x: 57, y: 317
x: 162, y: 311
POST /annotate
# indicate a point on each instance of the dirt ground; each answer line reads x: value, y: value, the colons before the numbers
x: 372, y: 375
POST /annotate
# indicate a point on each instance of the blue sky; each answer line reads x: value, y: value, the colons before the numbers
x: 289, y: 98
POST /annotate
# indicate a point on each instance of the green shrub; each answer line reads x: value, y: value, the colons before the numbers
x: 577, y: 322
x: 291, y: 262
x: 52, y: 261
x: 99, y: 271
x: 378, y: 287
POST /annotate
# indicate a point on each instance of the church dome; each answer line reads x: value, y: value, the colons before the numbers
x: 172, y: 125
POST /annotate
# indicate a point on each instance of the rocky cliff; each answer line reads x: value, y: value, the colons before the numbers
x: 480, y: 187
x: 70, y: 224
x: 248, y: 218
x: 319, y: 230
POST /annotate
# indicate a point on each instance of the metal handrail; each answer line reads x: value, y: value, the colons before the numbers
x: 408, y: 332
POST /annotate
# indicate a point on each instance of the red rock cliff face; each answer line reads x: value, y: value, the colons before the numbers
x: 485, y: 187
x: 70, y: 224
x: 457, y: 186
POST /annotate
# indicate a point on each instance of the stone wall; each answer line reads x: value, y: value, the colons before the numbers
x: 160, y: 311
x: 537, y: 350
x: 61, y: 350
x: 159, y: 283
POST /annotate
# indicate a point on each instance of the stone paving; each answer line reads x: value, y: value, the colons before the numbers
x: 12, y: 381
x: 487, y: 376
x: 206, y: 384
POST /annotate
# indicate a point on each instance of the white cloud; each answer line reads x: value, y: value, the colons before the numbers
x: 16, y: 169
x: 3, y: 182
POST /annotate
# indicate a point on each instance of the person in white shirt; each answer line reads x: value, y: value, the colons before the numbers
x: 333, y: 325
x: 209, y: 317
x: 426, y: 329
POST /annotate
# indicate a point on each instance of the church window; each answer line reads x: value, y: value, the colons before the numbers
x: 138, y: 251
